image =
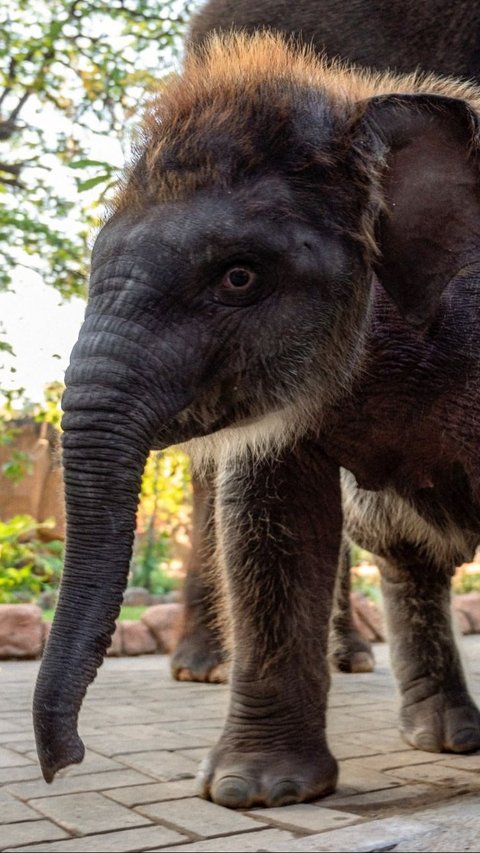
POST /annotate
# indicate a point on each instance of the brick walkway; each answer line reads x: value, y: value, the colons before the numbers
x: 146, y: 735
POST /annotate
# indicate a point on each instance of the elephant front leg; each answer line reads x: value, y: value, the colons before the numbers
x: 280, y: 560
x: 437, y: 713
x: 200, y: 654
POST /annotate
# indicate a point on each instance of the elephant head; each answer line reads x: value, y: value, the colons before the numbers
x: 232, y: 291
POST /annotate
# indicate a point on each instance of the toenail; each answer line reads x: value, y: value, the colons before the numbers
x: 232, y: 792
x: 285, y: 793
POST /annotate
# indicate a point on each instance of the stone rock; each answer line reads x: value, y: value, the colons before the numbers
x: 137, y: 639
x: 21, y: 631
x: 137, y: 596
x: 116, y: 647
x: 462, y: 621
x: 157, y: 599
x: 367, y: 618
x: 173, y: 596
x: 47, y: 627
x: 47, y: 600
x: 165, y: 622
x: 469, y: 603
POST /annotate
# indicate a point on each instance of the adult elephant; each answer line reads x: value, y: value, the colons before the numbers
x: 441, y: 36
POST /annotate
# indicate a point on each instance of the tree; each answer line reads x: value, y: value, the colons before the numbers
x: 72, y: 76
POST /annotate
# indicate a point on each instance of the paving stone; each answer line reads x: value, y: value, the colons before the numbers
x: 138, y: 795
x: 197, y: 754
x: 247, y: 842
x: 410, y: 757
x: 306, y: 817
x: 19, y: 742
x: 8, y: 758
x: 128, y: 841
x: 92, y: 763
x: 130, y: 738
x: 373, y: 835
x: 87, y: 813
x: 358, y: 775
x: 7, y: 726
x: 437, y: 774
x: 471, y: 763
x: 344, y: 748
x: 15, y: 834
x: 461, y: 811
x: 374, y: 801
x: 77, y: 784
x: 19, y: 774
x: 12, y: 811
x: 134, y: 704
x: 199, y: 816
x: 166, y: 766
x: 386, y: 740
x: 442, y: 841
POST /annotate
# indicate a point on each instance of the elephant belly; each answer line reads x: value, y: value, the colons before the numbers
x: 383, y: 521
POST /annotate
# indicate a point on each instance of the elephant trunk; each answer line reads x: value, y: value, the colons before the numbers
x: 109, y: 424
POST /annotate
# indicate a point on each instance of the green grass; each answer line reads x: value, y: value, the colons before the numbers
x: 125, y: 613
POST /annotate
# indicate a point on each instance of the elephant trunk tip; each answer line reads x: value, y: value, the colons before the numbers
x: 72, y: 753
x: 58, y: 746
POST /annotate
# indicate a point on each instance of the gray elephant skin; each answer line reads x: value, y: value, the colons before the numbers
x: 440, y: 36
x: 289, y: 285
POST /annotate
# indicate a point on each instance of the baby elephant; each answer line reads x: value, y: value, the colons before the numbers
x: 289, y: 284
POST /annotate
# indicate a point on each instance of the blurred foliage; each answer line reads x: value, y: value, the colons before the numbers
x: 72, y: 76
x: 27, y: 565
x: 365, y: 578
x: 163, y: 521
x: 164, y: 516
x: 467, y: 578
x: 15, y: 407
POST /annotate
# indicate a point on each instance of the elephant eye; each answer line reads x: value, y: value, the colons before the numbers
x: 238, y: 279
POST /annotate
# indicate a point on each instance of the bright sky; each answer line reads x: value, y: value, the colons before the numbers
x: 33, y: 319
x: 42, y: 331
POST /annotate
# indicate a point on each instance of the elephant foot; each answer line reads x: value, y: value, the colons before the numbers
x: 442, y: 723
x: 241, y: 780
x: 199, y: 657
x: 351, y: 653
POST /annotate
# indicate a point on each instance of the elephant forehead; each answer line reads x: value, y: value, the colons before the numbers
x: 260, y: 214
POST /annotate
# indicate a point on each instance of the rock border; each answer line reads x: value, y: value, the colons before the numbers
x: 23, y: 632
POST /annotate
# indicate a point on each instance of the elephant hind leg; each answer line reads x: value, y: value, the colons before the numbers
x: 437, y: 713
x: 200, y: 654
x: 349, y: 651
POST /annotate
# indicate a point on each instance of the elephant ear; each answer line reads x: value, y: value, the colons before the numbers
x: 429, y: 228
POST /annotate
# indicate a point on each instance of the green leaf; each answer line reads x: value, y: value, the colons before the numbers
x: 92, y: 182
x: 83, y: 164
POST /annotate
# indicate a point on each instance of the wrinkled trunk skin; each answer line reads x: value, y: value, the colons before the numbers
x: 109, y: 424
x: 94, y: 579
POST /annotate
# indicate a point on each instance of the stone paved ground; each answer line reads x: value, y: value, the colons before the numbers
x: 146, y: 735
